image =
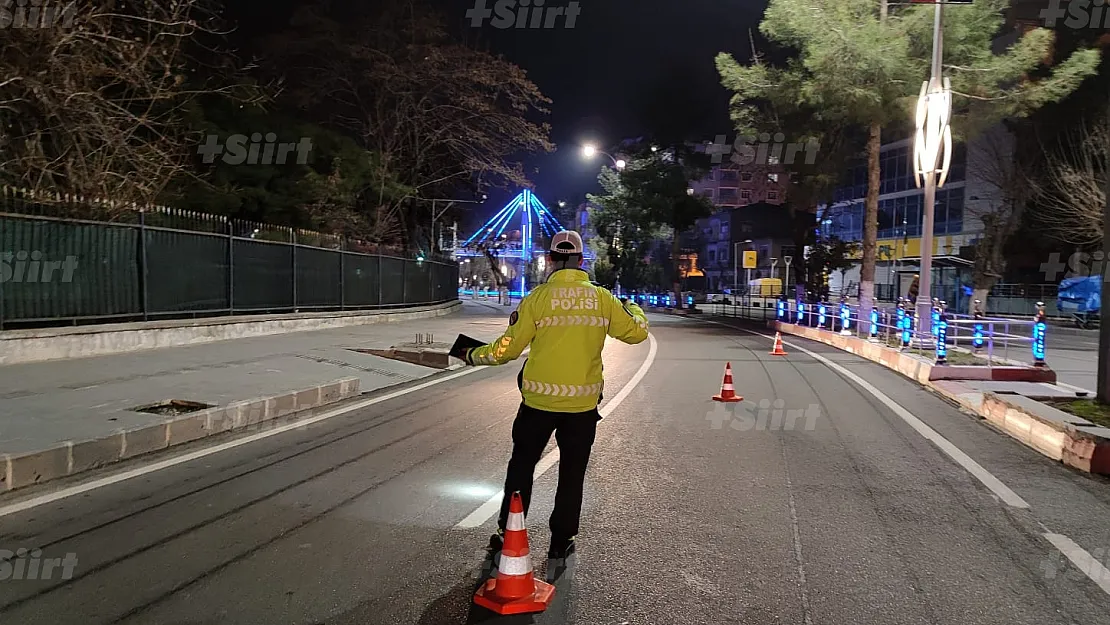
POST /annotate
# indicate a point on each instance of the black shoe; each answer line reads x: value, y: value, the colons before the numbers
x: 497, y: 541
x: 560, y: 549
x: 558, y: 557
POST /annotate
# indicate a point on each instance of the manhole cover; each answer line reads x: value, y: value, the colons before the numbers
x: 173, y: 407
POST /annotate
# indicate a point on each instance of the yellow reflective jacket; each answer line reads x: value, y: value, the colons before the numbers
x: 565, y: 320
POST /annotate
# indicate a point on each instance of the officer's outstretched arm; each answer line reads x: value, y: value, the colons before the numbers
x: 627, y: 321
x: 522, y: 328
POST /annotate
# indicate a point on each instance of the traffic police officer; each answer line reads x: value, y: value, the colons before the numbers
x: 565, y: 321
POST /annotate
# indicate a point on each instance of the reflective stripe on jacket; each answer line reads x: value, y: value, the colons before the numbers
x: 565, y: 320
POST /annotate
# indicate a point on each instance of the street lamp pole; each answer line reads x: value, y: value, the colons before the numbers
x: 933, y: 141
x: 435, y: 215
x: 735, y: 269
x: 589, y: 151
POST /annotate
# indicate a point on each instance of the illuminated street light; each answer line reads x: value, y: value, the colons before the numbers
x: 932, y: 155
x: 589, y: 151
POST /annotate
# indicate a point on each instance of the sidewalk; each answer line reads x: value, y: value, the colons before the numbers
x: 45, y: 405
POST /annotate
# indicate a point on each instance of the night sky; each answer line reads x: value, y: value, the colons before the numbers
x: 628, y: 68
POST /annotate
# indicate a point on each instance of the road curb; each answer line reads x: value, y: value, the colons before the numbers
x: 1064, y: 437
x: 45, y: 344
x: 73, y: 457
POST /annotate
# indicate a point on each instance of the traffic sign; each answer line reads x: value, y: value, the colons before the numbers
x: 750, y: 259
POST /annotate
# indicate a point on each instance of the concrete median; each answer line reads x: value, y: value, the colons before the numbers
x: 73, y: 457
x: 25, y: 346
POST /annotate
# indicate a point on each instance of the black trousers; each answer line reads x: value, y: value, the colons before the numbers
x: 574, y: 433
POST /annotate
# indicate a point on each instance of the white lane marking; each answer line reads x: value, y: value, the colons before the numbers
x: 1087, y: 563
x: 974, y: 468
x: 493, y: 505
x: 201, y: 453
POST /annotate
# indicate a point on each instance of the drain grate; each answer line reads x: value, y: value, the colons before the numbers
x: 173, y: 407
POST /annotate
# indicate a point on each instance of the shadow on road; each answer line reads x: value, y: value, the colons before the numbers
x: 456, y: 607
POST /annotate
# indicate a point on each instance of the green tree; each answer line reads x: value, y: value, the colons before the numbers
x: 826, y: 256
x: 861, y: 62
x: 658, y: 183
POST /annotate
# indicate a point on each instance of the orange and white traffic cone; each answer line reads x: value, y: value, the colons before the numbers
x: 515, y: 590
x: 728, y: 393
x: 778, y: 350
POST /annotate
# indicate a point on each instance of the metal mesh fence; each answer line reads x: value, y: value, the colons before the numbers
x: 57, y: 270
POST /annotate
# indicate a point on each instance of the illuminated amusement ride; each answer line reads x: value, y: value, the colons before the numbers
x: 519, y: 248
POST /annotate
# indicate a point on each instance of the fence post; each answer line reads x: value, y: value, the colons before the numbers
x: 293, y: 241
x: 379, y: 279
x: 143, y: 284
x: 342, y: 275
x: 1, y: 281
x: 231, y: 266
x: 404, y: 281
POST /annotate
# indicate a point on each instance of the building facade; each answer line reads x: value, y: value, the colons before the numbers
x: 956, y: 226
x: 764, y: 228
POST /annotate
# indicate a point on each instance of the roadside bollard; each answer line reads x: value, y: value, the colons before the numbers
x: 874, y: 329
x: 942, y: 334
x: 801, y: 311
x: 1039, y: 328
x: 907, y: 329
x: 977, y: 339
x: 782, y: 310
x: 845, y: 319
x: 821, y: 317
x: 936, y: 315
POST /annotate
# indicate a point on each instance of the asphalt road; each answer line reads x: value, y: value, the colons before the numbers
x: 692, y: 515
x: 1073, y: 354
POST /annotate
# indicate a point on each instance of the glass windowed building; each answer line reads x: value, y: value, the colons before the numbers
x: 900, y: 221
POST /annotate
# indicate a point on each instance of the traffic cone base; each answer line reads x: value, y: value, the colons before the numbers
x: 728, y: 394
x: 778, y: 350
x: 538, y: 602
x: 515, y: 590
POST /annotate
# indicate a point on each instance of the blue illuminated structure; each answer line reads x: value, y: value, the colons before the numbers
x: 874, y: 330
x: 907, y: 329
x: 801, y: 311
x: 782, y: 309
x: 845, y: 317
x: 1039, y: 328
x: 532, y: 213
x: 821, y: 316
x: 977, y: 339
x: 942, y: 339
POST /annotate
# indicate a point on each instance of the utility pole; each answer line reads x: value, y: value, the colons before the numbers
x: 933, y: 141
x: 1102, y: 385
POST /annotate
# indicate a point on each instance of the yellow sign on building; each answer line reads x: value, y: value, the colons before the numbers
x: 751, y: 260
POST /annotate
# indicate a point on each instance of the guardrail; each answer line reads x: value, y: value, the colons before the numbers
x: 989, y: 341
